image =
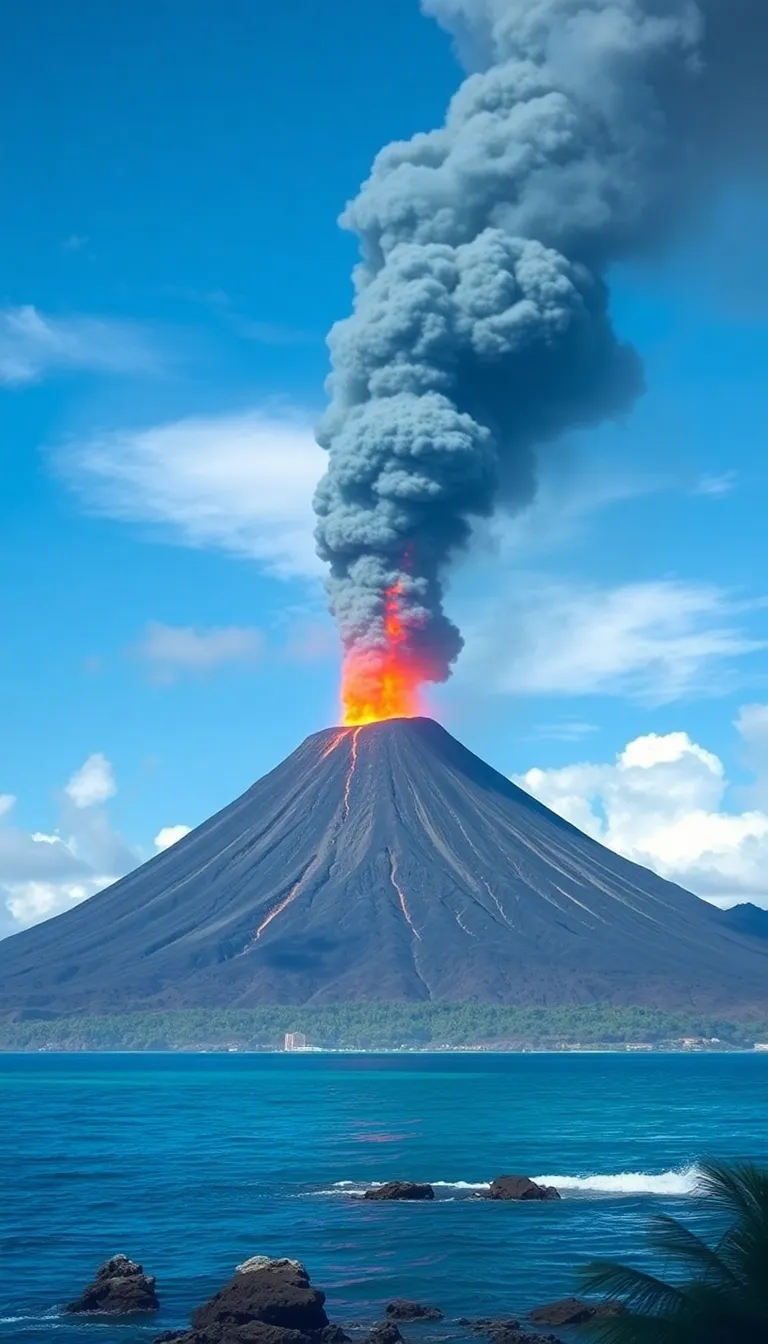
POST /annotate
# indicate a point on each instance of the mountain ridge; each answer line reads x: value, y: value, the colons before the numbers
x: 385, y: 863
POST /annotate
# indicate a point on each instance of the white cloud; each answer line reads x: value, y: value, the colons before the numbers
x: 170, y: 835
x: 28, y: 903
x: 654, y: 642
x: 33, y: 345
x: 663, y: 804
x: 171, y: 649
x: 239, y: 483
x: 93, y: 783
x: 44, y: 873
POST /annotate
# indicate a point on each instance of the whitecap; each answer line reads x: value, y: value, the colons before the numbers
x: 677, y: 1182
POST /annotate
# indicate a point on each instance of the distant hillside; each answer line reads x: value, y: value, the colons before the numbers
x: 749, y: 919
x: 386, y: 864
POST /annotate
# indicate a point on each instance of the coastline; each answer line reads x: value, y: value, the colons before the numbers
x: 330, y: 1051
x: 388, y: 1028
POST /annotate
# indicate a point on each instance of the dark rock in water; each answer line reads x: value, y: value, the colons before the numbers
x: 250, y: 1332
x: 491, y: 1325
x: 401, y: 1190
x: 506, y: 1330
x: 273, y: 1293
x: 573, y: 1311
x: 121, y: 1288
x: 412, y: 1311
x: 267, y: 1302
x: 254, y: 1332
x: 385, y: 1333
x: 520, y: 1187
x: 609, y: 1308
x: 568, y: 1311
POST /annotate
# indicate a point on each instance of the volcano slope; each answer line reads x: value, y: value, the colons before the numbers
x: 385, y: 863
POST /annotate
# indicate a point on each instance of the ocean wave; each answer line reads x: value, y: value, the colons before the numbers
x: 355, y: 1188
x: 49, y: 1317
x: 683, y: 1181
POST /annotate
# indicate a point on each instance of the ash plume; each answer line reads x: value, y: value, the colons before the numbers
x: 481, y: 329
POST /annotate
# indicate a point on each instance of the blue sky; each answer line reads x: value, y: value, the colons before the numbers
x: 171, y: 264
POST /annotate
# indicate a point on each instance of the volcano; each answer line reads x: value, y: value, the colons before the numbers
x: 385, y: 863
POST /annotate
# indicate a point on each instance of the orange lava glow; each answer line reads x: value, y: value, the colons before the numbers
x: 381, y: 684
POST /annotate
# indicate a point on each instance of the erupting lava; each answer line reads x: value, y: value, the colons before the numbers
x: 381, y: 683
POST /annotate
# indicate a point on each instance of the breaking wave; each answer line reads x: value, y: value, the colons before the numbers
x: 664, y: 1183
x: 682, y: 1182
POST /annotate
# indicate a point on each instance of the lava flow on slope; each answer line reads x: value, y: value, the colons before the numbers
x: 385, y: 862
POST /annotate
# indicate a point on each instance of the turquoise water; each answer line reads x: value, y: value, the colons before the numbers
x: 193, y: 1163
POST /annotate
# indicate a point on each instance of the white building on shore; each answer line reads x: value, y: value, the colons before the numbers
x: 295, y: 1040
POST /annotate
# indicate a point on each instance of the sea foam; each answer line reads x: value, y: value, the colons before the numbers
x: 683, y: 1181
x: 680, y: 1182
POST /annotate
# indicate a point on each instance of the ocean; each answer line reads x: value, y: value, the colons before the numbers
x: 192, y: 1163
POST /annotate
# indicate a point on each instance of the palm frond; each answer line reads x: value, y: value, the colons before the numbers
x: 669, y: 1236
x: 721, y: 1296
x: 631, y: 1328
x: 739, y: 1190
x: 638, y: 1291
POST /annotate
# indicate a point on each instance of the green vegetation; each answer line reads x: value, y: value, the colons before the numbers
x: 718, y: 1294
x: 375, y: 1026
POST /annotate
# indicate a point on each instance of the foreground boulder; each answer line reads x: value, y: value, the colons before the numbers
x: 385, y: 1333
x: 266, y: 1302
x: 252, y: 1332
x: 520, y: 1187
x: 505, y: 1330
x: 273, y: 1292
x: 399, y: 1310
x: 268, y: 1262
x: 401, y: 1190
x: 572, y: 1311
x: 120, y: 1288
x: 569, y: 1311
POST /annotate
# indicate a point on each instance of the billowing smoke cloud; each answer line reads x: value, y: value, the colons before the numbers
x: 481, y: 329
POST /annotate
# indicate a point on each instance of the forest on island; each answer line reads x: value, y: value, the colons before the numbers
x: 379, y: 1026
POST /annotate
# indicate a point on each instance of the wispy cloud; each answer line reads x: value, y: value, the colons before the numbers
x: 34, y: 345
x: 653, y: 642
x: 569, y: 730
x: 274, y: 333
x: 570, y: 497
x: 171, y: 650
x: 715, y: 486
x: 238, y: 483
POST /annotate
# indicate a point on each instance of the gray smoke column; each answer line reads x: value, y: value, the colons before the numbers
x: 481, y: 329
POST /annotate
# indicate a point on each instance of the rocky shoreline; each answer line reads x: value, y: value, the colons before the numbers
x: 273, y: 1301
